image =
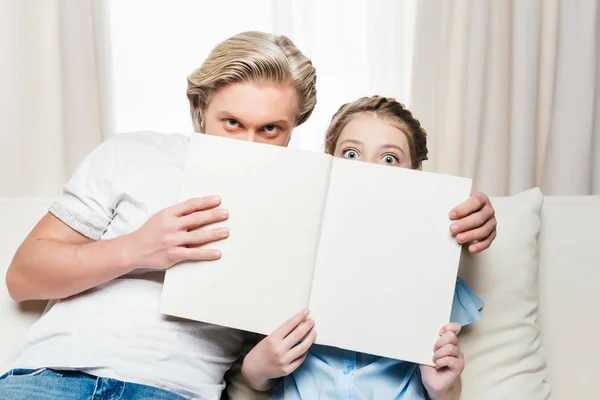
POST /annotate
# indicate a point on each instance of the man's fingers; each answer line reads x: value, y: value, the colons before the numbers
x: 288, y: 326
x: 482, y: 245
x: 199, y: 219
x: 475, y: 219
x: 195, y: 204
x: 202, y: 236
x: 477, y: 232
x: 474, y: 203
x: 303, y: 347
x: 181, y: 253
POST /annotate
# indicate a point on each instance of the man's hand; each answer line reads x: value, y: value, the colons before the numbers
x: 280, y: 353
x: 474, y: 221
x: 48, y: 264
x: 171, y: 235
x: 442, y: 382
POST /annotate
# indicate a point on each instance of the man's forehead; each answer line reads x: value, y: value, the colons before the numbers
x: 255, y: 101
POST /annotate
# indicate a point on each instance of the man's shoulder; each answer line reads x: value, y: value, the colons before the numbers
x: 145, y: 147
x: 147, y: 140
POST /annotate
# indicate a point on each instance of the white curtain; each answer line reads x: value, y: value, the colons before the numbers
x: 507, y: 89
x: 359, y: 48
x: 510, y: 92
x: 55, y: 91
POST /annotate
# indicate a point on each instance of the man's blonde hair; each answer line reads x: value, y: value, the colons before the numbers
x: 253, y: 56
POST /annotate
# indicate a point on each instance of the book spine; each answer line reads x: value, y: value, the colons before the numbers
x: 321, y: 219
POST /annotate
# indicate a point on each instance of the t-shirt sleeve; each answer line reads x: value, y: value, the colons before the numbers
x: 88, y: 201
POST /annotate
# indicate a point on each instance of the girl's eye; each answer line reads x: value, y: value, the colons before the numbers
x: 350, y: 154
x: 232, y: 123
x: 390, y: 159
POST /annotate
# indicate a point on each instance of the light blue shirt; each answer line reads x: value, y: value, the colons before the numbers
x: 333, y: 373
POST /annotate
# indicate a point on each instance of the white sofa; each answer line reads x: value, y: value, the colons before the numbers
x: 517, y: 350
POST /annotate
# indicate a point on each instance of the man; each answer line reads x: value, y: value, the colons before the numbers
x: 103, y: 247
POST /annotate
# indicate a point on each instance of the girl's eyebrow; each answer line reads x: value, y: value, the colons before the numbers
x: 392, y: 146
x: 353, y: 141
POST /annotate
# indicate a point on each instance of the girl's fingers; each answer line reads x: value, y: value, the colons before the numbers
x: 302, y: 348
x: 288, y: 326
x: 447, y: 338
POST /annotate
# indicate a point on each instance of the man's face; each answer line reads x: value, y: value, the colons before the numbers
x: 263, y: 112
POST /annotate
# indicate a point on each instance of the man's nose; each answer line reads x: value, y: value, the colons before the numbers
x: 250, y: 136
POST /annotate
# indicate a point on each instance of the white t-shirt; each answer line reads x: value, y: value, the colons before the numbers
x: 116, y: 330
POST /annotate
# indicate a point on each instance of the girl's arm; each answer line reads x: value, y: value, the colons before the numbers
x: 453, y: 393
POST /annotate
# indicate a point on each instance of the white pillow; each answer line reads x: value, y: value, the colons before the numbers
x: 503, y: 356
x: 18, y: 216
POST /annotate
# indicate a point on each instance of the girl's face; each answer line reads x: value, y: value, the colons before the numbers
x: 370, y: 138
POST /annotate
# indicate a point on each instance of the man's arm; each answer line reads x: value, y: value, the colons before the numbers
x: 55, y: 261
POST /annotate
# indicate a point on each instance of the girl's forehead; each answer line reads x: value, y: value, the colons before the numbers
x: 369, y: 128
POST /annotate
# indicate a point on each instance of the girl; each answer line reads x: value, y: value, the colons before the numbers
x: 376, y: 130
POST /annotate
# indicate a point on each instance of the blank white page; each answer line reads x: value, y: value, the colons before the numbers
x: 275, y: 197
x: 387, y: 262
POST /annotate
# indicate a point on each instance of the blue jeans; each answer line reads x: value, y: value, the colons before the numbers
x: 47, y: 384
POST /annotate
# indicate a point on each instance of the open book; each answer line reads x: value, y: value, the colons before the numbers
x: 367, y: 248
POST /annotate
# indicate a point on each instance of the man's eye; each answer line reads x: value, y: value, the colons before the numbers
x: 231, y: 123
x: 350, y: 154
x: 271, y: 130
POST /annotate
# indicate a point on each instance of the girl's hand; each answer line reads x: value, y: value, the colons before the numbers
x: 443, y: 380
x: 280, y: 353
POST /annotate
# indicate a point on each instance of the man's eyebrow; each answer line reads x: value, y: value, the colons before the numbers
x: 227, y: 114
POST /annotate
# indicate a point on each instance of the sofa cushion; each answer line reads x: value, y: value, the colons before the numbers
x: 569, y: 296
x: 18, y: 217
x: 503, y: 355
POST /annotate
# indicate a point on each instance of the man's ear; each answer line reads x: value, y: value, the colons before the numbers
x: 202, y: 121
